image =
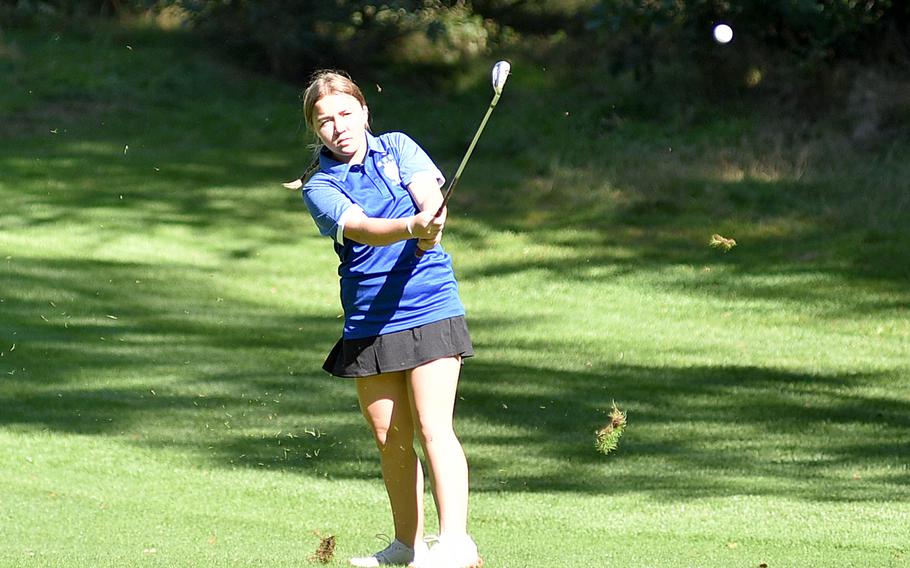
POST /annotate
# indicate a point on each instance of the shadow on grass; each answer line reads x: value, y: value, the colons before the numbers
x: 240, y: 388
x: 215, y: 188
x: 149, y: 354
x: 784, y: 256
x: 693, y: 432
x: 564, y: 167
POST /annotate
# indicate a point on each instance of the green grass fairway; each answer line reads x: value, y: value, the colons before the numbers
x: 165, y: 306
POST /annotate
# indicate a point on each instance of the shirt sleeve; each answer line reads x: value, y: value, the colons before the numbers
x: 413, y: 160
x: 329, y: 207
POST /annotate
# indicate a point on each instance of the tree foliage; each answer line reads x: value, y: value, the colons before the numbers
x: 18, y: 12
x: 295, y: 36
x: 811, y: 30
x: 291, y: 37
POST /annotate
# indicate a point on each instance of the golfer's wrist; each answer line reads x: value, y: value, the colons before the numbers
x: 409, y: 226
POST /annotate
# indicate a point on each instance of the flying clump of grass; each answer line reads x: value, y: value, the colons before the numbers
x: 720, y: 242
x: 326, y: 550
x: 607, y: 438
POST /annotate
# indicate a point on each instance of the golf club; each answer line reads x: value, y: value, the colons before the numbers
x: 499, y: 75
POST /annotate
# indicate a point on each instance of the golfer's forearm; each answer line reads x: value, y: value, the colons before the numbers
x: 430, y: 203
x: 376, y: 231
x: 426, y: 193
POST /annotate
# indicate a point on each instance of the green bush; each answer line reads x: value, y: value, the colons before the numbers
x: 815, y: 32
x: 294, y: 37
x: 803, y: 54
x: 537, y: 17
x: 818, y: 28
x: 28, y: 12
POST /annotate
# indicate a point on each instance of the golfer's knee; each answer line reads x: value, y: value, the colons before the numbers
x: 392, y: 438
x: 433, y: 433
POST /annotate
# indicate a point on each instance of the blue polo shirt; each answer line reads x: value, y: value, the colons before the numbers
x: 384, y: 289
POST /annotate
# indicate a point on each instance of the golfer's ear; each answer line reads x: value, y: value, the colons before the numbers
x: 366, y: 116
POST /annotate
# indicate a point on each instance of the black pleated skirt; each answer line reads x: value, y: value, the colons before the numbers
x: 401, y: 350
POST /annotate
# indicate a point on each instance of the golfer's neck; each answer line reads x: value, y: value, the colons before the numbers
x: 356, y: 159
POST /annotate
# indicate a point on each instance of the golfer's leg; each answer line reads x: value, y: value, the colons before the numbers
x: 385, y: 404
x: 433, y: 388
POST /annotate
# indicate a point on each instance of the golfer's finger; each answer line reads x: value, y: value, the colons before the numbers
x: 423, y: 221
x: 428, y: 243
x: 427, y: 226
x: 439, y: 222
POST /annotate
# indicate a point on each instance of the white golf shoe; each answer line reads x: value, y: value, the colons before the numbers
x: 396, y: 553
x: 453, y: 551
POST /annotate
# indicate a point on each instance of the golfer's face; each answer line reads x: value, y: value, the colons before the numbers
x: 341, y: 125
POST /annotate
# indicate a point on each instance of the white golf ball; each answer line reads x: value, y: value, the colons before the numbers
x: 723, y: 33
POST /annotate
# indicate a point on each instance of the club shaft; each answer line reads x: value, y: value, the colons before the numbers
x: 419, y: 252
x: 467, y: 155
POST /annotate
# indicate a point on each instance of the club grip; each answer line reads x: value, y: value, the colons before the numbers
x: 419, y: 252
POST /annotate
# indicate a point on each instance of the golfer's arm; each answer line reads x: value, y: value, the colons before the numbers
x: 424, y: 189
x: 378, y: 231
x: 375, y: 231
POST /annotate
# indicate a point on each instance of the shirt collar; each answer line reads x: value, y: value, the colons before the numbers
x: 340, y: 170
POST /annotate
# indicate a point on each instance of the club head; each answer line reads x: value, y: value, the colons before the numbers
x: 500, y: 74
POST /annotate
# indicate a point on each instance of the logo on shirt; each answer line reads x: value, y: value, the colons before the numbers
x: 390, y: 168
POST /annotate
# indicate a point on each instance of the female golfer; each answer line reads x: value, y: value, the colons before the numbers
x: 404, y: 334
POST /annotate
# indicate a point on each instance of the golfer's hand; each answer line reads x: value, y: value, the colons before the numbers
x: 427, y: 244
x: 427, y: 227
x: 434, y: 229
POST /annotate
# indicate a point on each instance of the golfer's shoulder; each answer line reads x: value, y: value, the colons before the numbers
x: 395, y: 140
x: 321, y: 180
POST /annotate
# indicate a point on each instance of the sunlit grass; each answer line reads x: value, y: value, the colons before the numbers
x: 164, y: 312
